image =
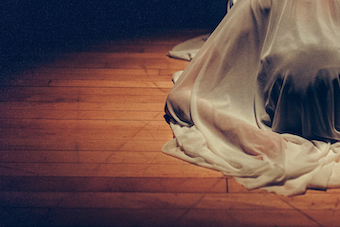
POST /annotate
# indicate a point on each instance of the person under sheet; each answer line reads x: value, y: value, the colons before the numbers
x: 260, y: 100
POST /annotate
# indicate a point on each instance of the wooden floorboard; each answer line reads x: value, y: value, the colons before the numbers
x: 80, y: 145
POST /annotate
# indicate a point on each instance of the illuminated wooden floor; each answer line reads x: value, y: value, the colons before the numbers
x: 81, y: 139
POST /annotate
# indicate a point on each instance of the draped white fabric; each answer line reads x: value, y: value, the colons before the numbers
x: 260, y: 100
x: 188, y: 49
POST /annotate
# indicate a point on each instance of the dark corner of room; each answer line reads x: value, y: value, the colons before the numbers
x: 35, y: 31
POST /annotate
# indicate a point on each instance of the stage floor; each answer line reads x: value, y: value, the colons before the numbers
x: 80, y: 145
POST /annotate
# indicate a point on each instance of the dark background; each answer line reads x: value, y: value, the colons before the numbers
x: 35, y: 25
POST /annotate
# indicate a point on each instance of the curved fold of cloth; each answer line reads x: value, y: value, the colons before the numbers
x: 260, y: 100
x: 188, y: 49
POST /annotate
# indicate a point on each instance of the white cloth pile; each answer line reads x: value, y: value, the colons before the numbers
x: 260, y: 99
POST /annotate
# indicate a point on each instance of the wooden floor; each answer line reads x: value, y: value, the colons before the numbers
x: 80, y: 145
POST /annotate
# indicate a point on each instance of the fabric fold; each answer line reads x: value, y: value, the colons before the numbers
x: 259, y: 101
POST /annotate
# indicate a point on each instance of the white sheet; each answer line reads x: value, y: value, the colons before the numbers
x: 188, y: 49
x: 257, y: 72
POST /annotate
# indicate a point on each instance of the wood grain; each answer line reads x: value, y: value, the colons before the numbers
x: 80, y: 145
